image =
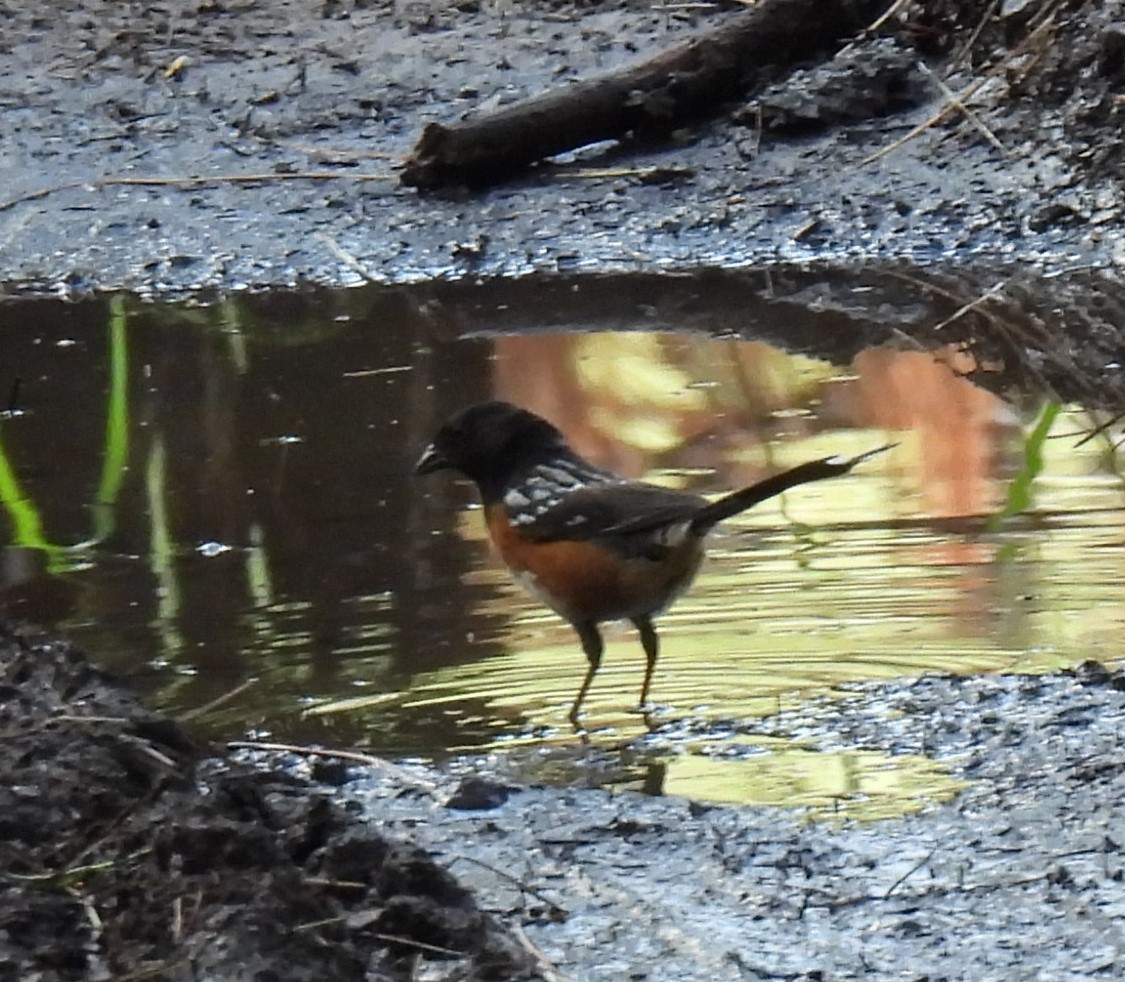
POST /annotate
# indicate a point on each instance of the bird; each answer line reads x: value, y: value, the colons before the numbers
x: 588, y: 543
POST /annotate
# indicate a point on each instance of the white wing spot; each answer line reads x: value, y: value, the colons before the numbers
x: 514, y: 499
x: 673, y: 535
x: 560, y: 476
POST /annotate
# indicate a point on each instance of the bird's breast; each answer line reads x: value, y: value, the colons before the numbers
x: 585, y: 580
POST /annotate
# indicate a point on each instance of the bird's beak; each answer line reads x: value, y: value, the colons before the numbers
x: 431, y: 460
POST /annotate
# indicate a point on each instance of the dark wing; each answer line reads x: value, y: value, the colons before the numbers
x: 621, y: 510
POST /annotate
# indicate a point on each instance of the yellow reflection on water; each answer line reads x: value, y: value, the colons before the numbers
x: 859, y: 785
x: 819, y: 589
x: 835, y: 583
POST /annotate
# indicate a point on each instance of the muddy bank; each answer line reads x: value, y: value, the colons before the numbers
x: 127, y: 852
x: 1021, y: 876
x: 95, y: 99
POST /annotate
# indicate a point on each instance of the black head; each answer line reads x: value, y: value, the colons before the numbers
x: 488, y: 442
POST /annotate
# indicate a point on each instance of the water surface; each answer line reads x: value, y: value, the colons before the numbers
x: 218, y: 503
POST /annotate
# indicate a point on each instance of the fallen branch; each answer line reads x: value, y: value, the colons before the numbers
x: 688, y: 82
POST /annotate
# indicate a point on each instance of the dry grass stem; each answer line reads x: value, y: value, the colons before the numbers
x: 349, y: 756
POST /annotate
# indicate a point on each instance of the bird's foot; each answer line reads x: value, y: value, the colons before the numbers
x: 576, y: 722
x: 652, y: 713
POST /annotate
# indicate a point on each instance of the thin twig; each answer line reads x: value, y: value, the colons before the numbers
x: 289, y: 748
x: 608, y: 173
x: 332, y: 154
x: 1043, y: 337
x: 71, y: 718
x: 955, y: 101
x: 347, y: 755
x: 323, y: 922
x: 147, y: 748
x: 936, y: 118
x: 526, y: 888
x: 216, y: 703
x: 972, y: 304
x: 161, y: 969
x: 1100, y: 429
x: 910, y: 872
x: 345, y: 257
x: 144, y: 745
x: 164, y: 182
x: 41, y: 193
x: 887, y: 14
x: 545, y: 967
x: 320, y: 881
x: 972, y: 39
x: 161, y: 182
x: 1016, y: 335
x: 964, y: 95
x: 871, y: 28
x: 420, y: 945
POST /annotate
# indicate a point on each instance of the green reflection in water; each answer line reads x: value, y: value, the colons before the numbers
x: 27, y: 524
x: 116, y: 424
x: 162, y: 553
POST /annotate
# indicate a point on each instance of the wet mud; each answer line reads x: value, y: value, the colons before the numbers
x: 126, y: 851
x: 1019, y: 877
x: 234, y: 145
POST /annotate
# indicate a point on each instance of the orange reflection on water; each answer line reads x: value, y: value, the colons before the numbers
x: 712, y: 401
x: 957, y: 425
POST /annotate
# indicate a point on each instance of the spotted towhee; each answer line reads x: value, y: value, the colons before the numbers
x: 593, y: 546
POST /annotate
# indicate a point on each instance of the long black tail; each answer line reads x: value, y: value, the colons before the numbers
x: 814, y: 470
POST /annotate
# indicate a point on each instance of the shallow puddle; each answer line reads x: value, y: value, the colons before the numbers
x: 218, y: 502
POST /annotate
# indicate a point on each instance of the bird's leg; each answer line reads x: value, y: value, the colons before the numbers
x: 592, y: 645
x: 651, y: 643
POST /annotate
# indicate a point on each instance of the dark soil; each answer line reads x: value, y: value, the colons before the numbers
x: 94, y: 98
x: 126, y: 852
